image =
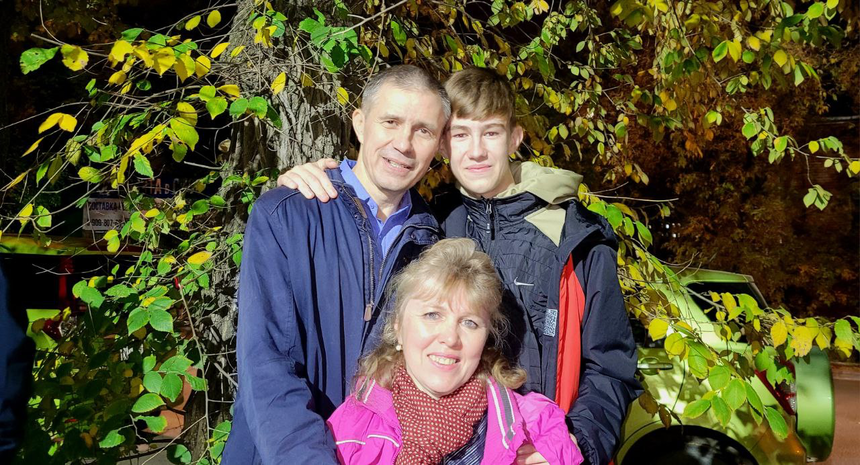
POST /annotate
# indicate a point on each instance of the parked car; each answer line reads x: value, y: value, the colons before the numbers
x: 807, y: 404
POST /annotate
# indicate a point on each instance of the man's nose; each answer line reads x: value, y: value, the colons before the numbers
x: 403, y: 139
x: 477, y: 149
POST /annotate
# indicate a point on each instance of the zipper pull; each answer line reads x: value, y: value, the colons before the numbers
x: 491, y: 219
x: 368, y: 311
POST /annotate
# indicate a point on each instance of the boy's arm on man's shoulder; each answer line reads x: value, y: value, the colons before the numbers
x: 275, y: 400
x: 608, y: 383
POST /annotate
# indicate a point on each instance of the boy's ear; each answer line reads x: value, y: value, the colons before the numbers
x: 358, y: 124
x: 516, y: 138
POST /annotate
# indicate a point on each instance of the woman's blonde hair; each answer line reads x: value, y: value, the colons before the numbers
x: 451, y: 267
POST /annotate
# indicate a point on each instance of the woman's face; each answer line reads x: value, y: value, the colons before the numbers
x: 442, y: 342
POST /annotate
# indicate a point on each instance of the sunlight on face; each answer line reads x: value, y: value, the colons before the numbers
x: 442, y: 342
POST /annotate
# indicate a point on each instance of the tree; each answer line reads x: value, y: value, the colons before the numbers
x: 229, y: 94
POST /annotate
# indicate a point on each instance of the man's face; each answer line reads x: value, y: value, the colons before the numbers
x: 399, y: 137
x: 479, y: 153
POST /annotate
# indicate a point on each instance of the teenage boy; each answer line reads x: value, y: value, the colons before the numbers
x: 313, y: 274
x: 556, y: 260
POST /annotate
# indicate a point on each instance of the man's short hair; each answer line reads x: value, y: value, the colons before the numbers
x: 480, y: 93
x: 404, y: 77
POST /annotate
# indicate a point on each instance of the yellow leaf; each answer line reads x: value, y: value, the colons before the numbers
x: 164, y: 60
x: 813, y: 146
x: 17, y: 179
x: 187, y: 112
x: 125, y: 88
x: 202, y: 65
x: 735, y: 49
x: 68, y: 123
x: 854, y: 167
x: 778, y: 333
x: 279, y: 83
x: 237, y: 51
x: 214, y: 18
x: 50, y: 122
x: 342, y: 96
x: 199, y: 258
x: 307, y: 81
x: 32, y: 147
x: 119, y: 50
x: 192, y: 23
x: 753, y: 43
x: 657, y: 328
x: 780, y: 58
x: 25, y: 213
x: 117, y: 78
x: 74, y: 57
x: 142, y: 53
x: 230, y: 89
x: 184, y: 67
x: 219, y: 49
x: 670, y: 104
x: 802, y: 341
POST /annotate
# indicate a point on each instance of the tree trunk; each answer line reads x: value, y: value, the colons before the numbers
x: 314, y: 125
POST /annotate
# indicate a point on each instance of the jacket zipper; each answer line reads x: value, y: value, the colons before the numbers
x: 368, y: 308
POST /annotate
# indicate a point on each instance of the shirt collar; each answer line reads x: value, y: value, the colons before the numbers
x: 350, y: 178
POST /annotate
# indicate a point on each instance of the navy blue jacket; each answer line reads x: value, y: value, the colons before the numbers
x: 310, y: 298
x: 16, y: 365
x: 530, y: 265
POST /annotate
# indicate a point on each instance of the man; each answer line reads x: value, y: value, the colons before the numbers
x: 556, y: 260
x: 313, y: 274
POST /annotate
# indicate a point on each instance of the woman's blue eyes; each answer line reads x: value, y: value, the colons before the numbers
x: 471, y: 324
x: 431, y: 315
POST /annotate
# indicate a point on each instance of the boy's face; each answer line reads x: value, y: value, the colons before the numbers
x: 479, y: 152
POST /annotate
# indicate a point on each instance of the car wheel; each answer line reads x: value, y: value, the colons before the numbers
x: 688, y: 446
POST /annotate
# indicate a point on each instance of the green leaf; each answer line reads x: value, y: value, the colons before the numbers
x: 119, y: 290
x: 810, y: 197
x: 161, y: 320
x: 143, y: 85
x: 199, y: 207
x: 674, y: 344
x: 171, y: 387
x: 697, y: 408
x: 197, y: 384
x: 222, y: 430
x: 721, y: 410
x: 698, y: 365
x: 258, y: 106
x: 217, y: 201
x: 753, y: 398
x: 748, y: 57
x: 719, y: 377
x: 33, y: 58
x: 749, y: 130
x: 842, y: 329
x: 147, y: 402
x: 644, y: 233
x: 176, y: 364
x: 138, y: 318
x: 88, y: 294
x: 815, y: 10
x: 216, y: 106
x: 89, y: 174
x: 178, y: 454
x: 207, y: 92
x: 112, y: 439
x: 780, y: 143
x: 149, y: 363
x: 130, y: 35
x: 720, y: 51
x: 398, y: 33
x: 155, y: 424
x: 152, y: 382
x: 142, y: 166
x: 735, y: 394
x: 776, y: 422
x: 238, y: 107
x: 185, y: 132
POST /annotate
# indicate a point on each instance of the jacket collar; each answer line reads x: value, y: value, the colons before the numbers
x: 505, y: 424
x: 420, y: 214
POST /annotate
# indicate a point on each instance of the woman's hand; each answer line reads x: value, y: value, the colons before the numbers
x: 310, y: 179
x: 528, y: 455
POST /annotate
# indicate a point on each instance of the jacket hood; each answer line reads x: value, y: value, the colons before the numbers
x: 552, y: 185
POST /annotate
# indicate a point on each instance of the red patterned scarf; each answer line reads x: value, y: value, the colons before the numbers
x: 434, y: 428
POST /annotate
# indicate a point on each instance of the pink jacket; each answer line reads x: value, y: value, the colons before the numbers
x: 366, y: 431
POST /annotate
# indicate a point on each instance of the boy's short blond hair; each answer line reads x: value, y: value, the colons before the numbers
x: 480, y: 93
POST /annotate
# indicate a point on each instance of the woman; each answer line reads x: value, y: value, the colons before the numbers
x: 437, y: 389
